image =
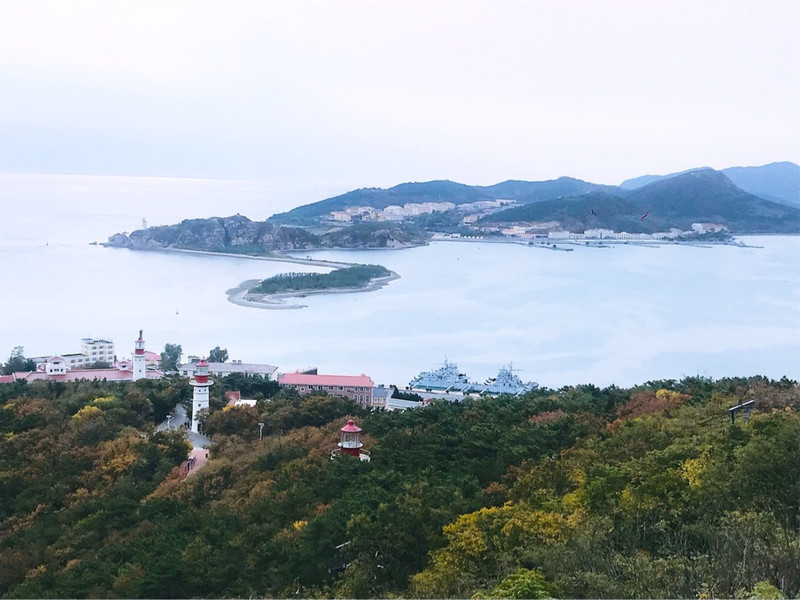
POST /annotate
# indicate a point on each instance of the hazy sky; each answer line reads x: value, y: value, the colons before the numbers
x: 378, y: 92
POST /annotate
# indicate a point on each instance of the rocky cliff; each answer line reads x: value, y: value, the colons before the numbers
x: 240, y: 235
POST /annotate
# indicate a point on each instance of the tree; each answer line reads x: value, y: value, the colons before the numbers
x: 99, y: 364
x: 522, y: 583
x: 18, y: 362
x: 170, y: 357
x: 218, y: 355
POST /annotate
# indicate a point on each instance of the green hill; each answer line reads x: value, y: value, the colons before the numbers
x: 431, y: 191
x: 539, y: 191
x: 593, y: 210
x: 441, y: 191
x: 700, y: 196
x: 706, y: 195
x: 778, y: 181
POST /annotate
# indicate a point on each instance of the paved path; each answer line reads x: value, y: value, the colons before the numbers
x: 200, y: 443
x: 178, y: 414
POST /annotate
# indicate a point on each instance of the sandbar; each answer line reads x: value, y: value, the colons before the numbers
x: 242, y: 296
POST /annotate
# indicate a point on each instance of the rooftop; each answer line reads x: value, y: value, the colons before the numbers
x: 298, y: 378
x: 225, y: 368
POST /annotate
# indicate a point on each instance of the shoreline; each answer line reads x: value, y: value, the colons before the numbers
x: 317, y: 262
x: 241, y: 295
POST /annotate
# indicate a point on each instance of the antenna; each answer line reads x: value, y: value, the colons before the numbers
x: 144, y: 223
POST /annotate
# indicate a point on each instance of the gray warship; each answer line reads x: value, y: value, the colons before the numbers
x: 448, y: 379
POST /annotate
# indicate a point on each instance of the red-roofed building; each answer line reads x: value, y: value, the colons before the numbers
x: 59, y: 368
x: 113, y: 374
x: 356, y: 387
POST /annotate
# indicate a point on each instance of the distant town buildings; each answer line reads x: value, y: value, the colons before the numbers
x: 708, y: 227
x: 390, y: 213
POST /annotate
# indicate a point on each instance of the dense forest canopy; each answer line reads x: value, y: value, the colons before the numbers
x: 653, y: 491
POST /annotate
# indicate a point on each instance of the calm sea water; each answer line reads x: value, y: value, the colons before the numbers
x: 622, y: 315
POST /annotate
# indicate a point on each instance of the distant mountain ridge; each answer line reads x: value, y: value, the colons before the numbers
x: 699, y: 196
x: 442, y: 191
x: 778, y: 181
x: 647, y: 204
x: 672, y: 201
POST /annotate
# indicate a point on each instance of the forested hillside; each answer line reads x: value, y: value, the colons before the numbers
x: 577, y: 492
x: 698, y: 196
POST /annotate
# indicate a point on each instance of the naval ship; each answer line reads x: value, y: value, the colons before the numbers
x: 449, y: 379
x: 507, y: 383
x: 446, y: 378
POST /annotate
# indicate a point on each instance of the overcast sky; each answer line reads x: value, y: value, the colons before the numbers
x: 381, y: 92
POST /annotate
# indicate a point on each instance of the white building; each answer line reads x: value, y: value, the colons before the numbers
x: 235, y: 366
x: 599, y: 233
x: 92, y: 351
x: 98, y: 350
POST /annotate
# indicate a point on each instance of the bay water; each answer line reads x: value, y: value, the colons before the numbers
x: 619, y: 315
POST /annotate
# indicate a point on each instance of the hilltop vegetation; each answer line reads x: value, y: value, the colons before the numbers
x: 440, y: 191
x: 779, y: 181
x: 577, y: 492
x: 699, y: 196
x: 240, y: 235
x: 356, y: 276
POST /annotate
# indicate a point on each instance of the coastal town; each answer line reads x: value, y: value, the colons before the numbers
x: 534, y: 231
x: 97, y: 361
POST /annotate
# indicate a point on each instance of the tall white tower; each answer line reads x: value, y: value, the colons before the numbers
x: 139, y: 366
x: 200, y: 382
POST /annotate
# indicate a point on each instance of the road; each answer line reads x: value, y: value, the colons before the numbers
x: 178, y: 414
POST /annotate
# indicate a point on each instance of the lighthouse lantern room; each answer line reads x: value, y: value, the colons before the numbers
x: 350, y: 442
x: 200, y: 382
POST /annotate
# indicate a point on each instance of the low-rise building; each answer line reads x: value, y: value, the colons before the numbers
x: 72, y: 367
x: 234, y: 398
x: 708, y: 227
x: 356, y: 387
x: 381, y: 396
x: 221, y: 369
x: 98, y: 350
x: 92, y: 351
x: 56, y: 369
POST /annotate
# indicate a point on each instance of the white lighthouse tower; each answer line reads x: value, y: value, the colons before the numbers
x: 200, y: 382
x: 139, y: 366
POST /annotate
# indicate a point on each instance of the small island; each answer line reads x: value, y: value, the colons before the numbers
x: 273, y: 291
